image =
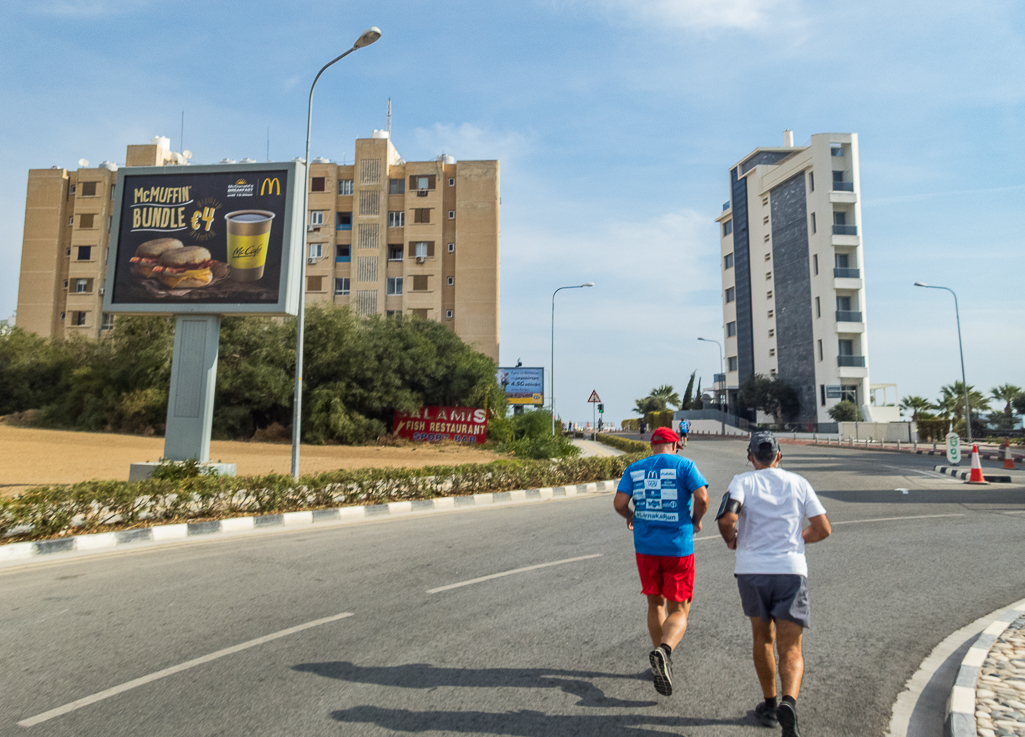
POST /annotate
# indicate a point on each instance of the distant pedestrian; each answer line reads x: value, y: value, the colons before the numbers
x: 684, y: 429
x: 670, y: 496
x: 643, y: 426
x: 761, y: 517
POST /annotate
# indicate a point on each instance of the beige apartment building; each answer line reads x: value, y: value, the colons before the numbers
x: 385, y: 237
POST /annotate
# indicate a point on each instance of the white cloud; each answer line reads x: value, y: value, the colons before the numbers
x: 468, y: 142
x: 699, y: 15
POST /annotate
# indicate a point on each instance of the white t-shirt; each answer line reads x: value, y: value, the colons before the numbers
x: 775, y: 505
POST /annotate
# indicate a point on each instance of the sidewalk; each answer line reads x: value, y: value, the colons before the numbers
x: 589, y: 448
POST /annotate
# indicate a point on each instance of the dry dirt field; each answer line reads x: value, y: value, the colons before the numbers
x: 30, y: 457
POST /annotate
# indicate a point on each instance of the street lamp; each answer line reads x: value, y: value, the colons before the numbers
x: 722, y: 393
x: 964, y: 381
x: 552, y: 379
x: 368, y: 37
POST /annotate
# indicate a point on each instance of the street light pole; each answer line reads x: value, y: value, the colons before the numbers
x: 552, y: 379
x: 369, y: 36
x: 964, y: 381
x: 722, y: 394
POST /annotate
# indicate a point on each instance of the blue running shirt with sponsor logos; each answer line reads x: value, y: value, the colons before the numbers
x: 662, y: 487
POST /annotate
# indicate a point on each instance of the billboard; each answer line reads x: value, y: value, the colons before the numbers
x: 461, y: 424
x: 206, y: 239
x: 523, y: 385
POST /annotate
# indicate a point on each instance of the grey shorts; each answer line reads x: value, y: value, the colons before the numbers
x: 775, y: 596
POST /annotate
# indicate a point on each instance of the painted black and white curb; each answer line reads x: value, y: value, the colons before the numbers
x: 961, y: 473
x: 103, y: 541
x: 960, y: 719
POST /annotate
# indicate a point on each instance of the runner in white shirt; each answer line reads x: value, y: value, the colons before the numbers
x: 762, y: 518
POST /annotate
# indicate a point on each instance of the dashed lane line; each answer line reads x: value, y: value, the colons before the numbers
x: 510, y: 573
x: 102, y: 695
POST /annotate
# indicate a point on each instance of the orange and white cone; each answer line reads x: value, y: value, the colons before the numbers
x: 976, y: 477
x: 1008, y: 456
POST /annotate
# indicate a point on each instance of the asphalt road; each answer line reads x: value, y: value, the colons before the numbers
x: 558, y: 650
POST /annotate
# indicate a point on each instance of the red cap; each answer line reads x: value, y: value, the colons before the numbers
x: 664, y: 435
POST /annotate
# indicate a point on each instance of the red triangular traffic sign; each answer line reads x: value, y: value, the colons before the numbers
x: 594, y: 397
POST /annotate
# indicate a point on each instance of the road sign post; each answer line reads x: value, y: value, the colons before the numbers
x: 594, y: 400
x: 953, y: 448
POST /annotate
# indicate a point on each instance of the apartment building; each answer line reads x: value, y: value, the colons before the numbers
x: 385, y: 237
x: 793, y: 274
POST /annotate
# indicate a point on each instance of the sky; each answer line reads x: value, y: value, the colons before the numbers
x: 615, y: 122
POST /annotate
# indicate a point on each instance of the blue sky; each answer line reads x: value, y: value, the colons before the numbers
x: 615, y: 122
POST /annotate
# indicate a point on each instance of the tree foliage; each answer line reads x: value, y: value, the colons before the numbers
x: 771, y: 395
x: 845, y: 411
x: 917, y: 406
x: 660, y: 398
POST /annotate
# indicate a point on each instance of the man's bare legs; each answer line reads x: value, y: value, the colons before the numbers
x: 791, y: 659
x: 667, y: 620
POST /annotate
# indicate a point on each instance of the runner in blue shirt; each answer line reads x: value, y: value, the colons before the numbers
x: 670, y: 496
x: 684, y: 429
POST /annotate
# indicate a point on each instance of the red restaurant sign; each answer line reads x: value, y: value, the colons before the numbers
x: 461, y: 424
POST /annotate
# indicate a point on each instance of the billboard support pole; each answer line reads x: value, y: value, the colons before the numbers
x: 190, y: 404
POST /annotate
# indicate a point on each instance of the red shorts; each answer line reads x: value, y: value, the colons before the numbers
x: 670, y: 577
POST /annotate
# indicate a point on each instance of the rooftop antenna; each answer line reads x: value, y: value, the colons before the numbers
x: 388, y: 126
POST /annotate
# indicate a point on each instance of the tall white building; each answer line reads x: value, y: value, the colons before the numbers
x: 793, y: 274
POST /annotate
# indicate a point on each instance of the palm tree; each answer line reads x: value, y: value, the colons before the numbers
x: 951, y: 403
x: 915, y: 405
x: 1006, y: 393
x: 658, y: 400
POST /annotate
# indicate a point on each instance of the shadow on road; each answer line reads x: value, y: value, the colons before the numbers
x: 424, y: 676
x: 522, y: 723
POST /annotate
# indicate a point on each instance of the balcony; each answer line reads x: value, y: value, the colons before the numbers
x: 854, y: 361
x: 845, y: 230
x: 839, y: 273
x: 848, y: 316
x: 719, y: 378
x: 726, y: 206
x: 843, y: 186
x: 343, y: 226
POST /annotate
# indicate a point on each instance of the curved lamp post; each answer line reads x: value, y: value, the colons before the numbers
x: 964, y: 381
x: 552, y: 379
x: 369, y: 36
x: 722, y: 394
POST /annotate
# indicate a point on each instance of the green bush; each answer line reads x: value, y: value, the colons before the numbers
x: 933, y: 431
x: 625, y: 444
x: 845, y: 411
x: 49, y: 511
x: 659, y: 419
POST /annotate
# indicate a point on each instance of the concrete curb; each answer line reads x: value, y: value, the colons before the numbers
x: 104, y: 541
x: 908, y: 448
x: 960, y: 473
x: 960, y: 719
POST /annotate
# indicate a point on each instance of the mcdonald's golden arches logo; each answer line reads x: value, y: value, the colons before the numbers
x: 271, y: 185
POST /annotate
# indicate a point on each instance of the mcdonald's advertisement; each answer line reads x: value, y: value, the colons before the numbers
x: 213, y: 239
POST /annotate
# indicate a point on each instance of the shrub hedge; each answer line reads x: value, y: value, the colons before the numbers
x: 53, y: 511
x: 625, y: 444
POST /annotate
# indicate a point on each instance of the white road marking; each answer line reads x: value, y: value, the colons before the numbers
x: 930, y: 474
x: 86, y: 701
x: 510, y: 573
x: 902, y: 491
x: 895, y: 519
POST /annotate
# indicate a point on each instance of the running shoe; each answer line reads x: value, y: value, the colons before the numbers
x: 766, y: 715
x: 662, y: 669
x: 787, y: 715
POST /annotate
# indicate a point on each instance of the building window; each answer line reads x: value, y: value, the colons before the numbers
x: 67, y: 251
x: 765, y: 201
x: 420, y: 283
x: 727, y: 261
x: 316, y: 184
x: 815, y: 264
x: 727, y: 228
x: 71, y: 220
x: 451, y: 247
x: 731, y: 363
x: 397, y: 219
x: 772, y: 372
x: 85, y: 253
x: 768, y: 294
x: 448, y: 314
x: 772, y: 352
x: 419, y: 313
x: 839, y: 217
x: 397, y: 314
x: 343, y: 221
x: 843, y: 303
x: 421, y: 249
x: 78, y: 319
x: 86, y: 220
x: 65, y: 283
x: 342, y: 285
x: 849, y: 393
x: 107, y: 321
x: 343, y: 252
x: 345, y: 186
x: 846, y: 347
x: 765, y: 220
x: 88, y: 190
x: 836, y: 150
x: 768, y: 257
x: 451, y: 183
x: 422, y: 182
x: 731, y: 294
x: 316, y: 250
x: 316, y: 217
x: 451, y: 281
x: 451, y: 214
x: 731, y: 329
x: 772, y: 333
x: 820, y: 350
x: 768, y: 276
x: 818, y: 308
x: 112, y: 188
x: 72, y: 190
x: 814, y: 228
x: 422, y: 215
x: 822, y: 394
x: 395, y: 286
x: 770, y: 314
x: 110, y: 223
x: 811, y: 181
x: 82, y: 286
x: 314, y: 284
x: 766, y: 238
x: 62, y: 316
x: 395, y: 252
x: 396, y: 186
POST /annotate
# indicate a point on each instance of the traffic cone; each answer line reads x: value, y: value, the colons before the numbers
x: 976, y: 477
x: 1008, y: 455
